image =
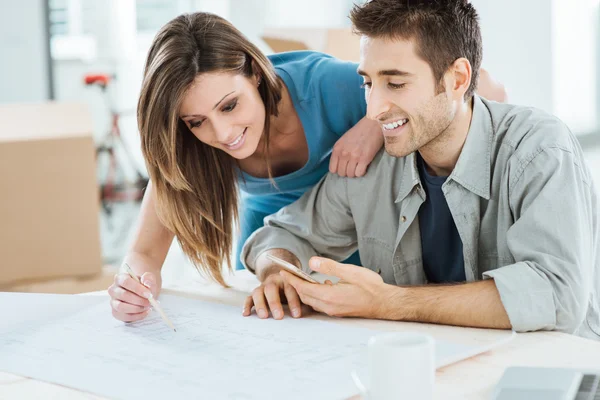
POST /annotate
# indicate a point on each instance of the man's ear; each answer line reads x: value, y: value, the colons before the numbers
x: 458, y: 77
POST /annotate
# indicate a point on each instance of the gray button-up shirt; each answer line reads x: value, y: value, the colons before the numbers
x: 523, y: 202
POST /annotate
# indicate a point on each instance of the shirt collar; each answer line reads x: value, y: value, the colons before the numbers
x: 472, y: 169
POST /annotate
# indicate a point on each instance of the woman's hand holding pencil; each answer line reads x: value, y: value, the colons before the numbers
x: 129, y: 298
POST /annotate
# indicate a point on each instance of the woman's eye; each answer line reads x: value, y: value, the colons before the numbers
x: 230, y: 107
x: 195, y: 124
x: 366, y: 85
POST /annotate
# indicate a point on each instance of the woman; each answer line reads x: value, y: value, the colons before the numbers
x: 216, y: 115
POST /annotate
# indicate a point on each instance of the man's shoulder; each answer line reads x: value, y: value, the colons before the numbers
x: 522, y: 134
x: 528, y: 129
x: 383, y: 172
x: 383, y: 164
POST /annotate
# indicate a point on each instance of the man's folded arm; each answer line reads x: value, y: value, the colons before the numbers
x: 319, y: 223
x: 548, y: 286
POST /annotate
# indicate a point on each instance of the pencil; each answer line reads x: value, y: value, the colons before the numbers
x: 151, y: 299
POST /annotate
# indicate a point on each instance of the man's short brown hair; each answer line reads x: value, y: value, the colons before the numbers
x: 443, y: 30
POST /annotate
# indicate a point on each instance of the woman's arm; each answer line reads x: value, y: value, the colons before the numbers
x: 146, y: 256
x: 355, y: 150
x: 489, y: 88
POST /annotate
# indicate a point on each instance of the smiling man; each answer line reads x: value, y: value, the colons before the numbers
x: 477, y: 214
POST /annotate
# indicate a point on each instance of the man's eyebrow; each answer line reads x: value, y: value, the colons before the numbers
x: 387, y: 72
x: 393, y: 72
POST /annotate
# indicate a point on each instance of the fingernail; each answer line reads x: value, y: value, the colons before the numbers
x: 277, y: 313
x: 315, y: 263
x: 262, y: 313
x: 147, y: 295
x: 147, y: 284
x: 295, y: 313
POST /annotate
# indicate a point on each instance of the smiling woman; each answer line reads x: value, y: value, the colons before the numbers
x: 227, y: 122
x: 218, y: 118
x: 204, y: 82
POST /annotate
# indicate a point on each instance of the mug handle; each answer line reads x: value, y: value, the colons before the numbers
x: 364, y: 392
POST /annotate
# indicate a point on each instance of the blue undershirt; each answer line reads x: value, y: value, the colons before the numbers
x: 442, y: 248
x: 328, y: 98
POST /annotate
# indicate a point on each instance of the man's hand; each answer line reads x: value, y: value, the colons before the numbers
x: 273, y: 292
x: 357, y: 294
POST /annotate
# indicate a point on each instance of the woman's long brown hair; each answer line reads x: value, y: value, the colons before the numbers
x: 196, y: 184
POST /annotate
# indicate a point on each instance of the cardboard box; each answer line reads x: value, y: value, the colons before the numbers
x: 71, y: 285
x: 49, y: 203
x: 340, y: 43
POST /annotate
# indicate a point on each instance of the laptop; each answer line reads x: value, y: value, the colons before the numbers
x: 537, y: 383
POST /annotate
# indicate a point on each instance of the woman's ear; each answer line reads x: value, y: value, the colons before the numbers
x: 256, y: 74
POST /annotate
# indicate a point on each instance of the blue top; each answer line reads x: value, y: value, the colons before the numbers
x: 328, y: 98
x: 442, y: 248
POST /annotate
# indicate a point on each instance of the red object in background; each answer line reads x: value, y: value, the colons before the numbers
x: 110, y: 190
x: 97, y: 79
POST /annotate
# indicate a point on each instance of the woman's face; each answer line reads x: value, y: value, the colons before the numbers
x: 225, y: 110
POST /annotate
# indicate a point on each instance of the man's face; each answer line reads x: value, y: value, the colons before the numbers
x: 402, y: 95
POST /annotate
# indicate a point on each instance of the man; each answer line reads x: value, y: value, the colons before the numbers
x: 480, y: 214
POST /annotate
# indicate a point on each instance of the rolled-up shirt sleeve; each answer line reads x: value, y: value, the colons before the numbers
x: 552, y: 242
x: 319, y: 223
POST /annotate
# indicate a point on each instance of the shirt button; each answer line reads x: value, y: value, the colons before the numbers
x: 403, y: 218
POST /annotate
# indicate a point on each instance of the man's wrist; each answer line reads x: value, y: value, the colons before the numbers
x: 389, y: 303
x: 263, y: 273
x: 266, y: 267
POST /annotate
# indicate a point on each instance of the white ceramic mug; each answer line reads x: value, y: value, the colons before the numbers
x: 401, y: 366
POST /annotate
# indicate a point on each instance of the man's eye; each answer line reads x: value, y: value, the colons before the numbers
x: 366, y: 85
x: 396, y: 85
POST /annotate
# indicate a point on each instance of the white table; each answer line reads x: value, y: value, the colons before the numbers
x: 470, y: 379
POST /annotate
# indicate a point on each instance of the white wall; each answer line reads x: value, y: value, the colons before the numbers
x: 517, y: 48
x: 307, y: 13
x: 221, y: 7
x: 544, y: 51
x: 24, y: 71
x: 575, y: 48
